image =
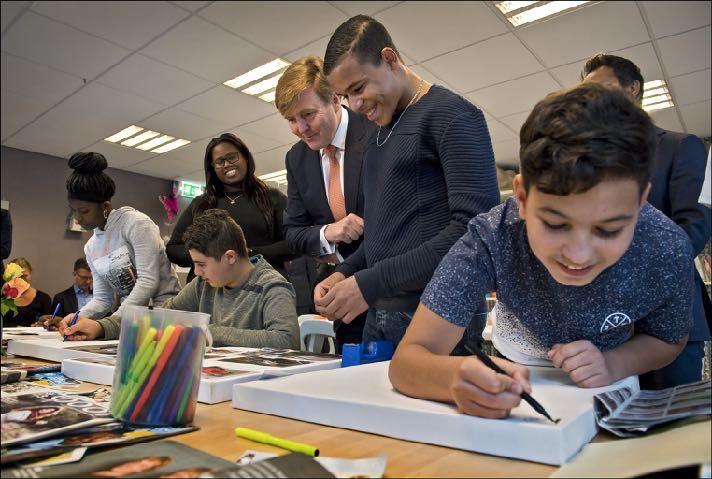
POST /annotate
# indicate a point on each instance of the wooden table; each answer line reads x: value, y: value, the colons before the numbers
x: 216, y: 436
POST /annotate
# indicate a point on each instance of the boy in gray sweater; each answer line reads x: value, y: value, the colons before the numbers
x: 250, y: 304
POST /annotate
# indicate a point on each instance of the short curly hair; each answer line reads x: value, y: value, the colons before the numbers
x: 574, y: 139
x: 213, y: 233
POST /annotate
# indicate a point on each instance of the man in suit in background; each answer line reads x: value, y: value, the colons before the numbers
x: 324, y: 214
x: 675, y: 190
x: 73, y: 298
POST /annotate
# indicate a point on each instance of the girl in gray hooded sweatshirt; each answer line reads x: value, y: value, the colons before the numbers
x: 126, y: 253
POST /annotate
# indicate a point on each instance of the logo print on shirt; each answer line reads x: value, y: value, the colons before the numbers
x: 615, y: 320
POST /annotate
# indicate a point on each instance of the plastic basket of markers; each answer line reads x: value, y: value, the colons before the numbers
x: 158, y: 366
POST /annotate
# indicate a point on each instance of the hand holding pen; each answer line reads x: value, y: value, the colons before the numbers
x: 72, y: 323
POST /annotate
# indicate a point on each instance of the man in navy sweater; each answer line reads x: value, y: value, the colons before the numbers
x: 428, y: 170
x: 675, y: 190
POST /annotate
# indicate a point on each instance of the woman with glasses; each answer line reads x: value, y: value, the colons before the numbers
x: 231, y: 185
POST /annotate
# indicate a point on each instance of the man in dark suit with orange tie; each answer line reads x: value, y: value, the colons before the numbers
x: 324, y: 214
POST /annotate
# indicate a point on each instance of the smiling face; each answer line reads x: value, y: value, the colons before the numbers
x: 313, y: 121
x: 374, y: 91
x: 578, y: 236
x: 229, y: 165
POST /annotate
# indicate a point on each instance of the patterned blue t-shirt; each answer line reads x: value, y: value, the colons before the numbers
x: 650, y: 285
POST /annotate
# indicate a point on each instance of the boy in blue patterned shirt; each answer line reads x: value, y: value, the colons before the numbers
x: 589, y: 277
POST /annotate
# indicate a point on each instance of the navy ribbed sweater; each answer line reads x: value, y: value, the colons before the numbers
x: 421, y: 187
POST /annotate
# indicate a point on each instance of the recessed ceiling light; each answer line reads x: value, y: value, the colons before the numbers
x: 125, y: 133
x: 274, y: 174
x: 149, y: 145
x: 257, y: 82
x: 656, y: 96
x: 170, y: 146
x: 257, y: 73
x: 136, y: 137
x: 146, y: 135
x: 521, y: 12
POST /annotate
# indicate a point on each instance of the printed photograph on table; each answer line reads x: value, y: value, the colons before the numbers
x: 104, y: 435
x: 155, y: 459
x: 28, y: 417
x: 278, y: 358
x: 210, y: 372
x: 108, y: 349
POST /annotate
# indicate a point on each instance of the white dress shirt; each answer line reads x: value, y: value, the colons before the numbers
x: 339, y: 141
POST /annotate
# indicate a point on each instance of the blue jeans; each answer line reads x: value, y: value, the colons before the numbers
x: 687, y: 368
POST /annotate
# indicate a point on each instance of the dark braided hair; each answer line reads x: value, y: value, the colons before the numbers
x: 88, y: 182
x: 253, y: 188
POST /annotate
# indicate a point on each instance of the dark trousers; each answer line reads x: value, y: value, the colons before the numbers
x: 687, y: 368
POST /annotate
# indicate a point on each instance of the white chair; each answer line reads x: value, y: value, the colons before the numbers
x: 313, y: 330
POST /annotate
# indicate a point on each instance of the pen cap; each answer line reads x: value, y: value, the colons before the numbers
x: 158, y: 366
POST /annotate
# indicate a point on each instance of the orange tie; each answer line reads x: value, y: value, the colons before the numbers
x: 336, y: 196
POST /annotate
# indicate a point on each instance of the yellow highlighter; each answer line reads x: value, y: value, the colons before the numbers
x: 265, y: 438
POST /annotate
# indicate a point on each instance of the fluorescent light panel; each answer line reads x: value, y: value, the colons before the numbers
x: 521, y: 12
x: 263, y: 86
x: 146, y: 135
x: 268, y: 97
x: 257, y: 73
x: 273, y: 175
x: 125, y: 133
x: 136, y: 137
x: 656, y: 96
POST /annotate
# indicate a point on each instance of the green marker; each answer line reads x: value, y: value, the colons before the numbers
x: 265, y: 438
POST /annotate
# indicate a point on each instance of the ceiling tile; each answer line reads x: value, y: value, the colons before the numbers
x: 191, y: 5
x: 514, y: 96
x: 270, y: 161
x: 50, y: 43
x: 298, y: 23
x: 506, y: 153
x: 603, y: 26
x: 273, y: 127
x: 256, y: 143
x: 642, y: 55
x: 119, y: 156
x: 181, y: 124
x: 207, y: 51
x: 481, y: 65
x: 697, y: 118
x: 163, y: 167
x: 93, y: 113
x: 10, y: 10
x: 687, y: 52
x: 366, y: 8
x: 227, y: 106
x: 146, y: 77
x: 667, y: 119
x: 197, y: 176
x: 317, y: 48
x: 426, y: 75
x: 498, y: 131
x: 130, y: 25
x: 453, y: 24
x: 692, y: 88
x: 17, y: 110
x: 192, y: 154
x: 44, y: 84
x: 669, y: 18
x: 515, y: 121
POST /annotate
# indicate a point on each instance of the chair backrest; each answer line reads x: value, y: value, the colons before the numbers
x: 313, y: 330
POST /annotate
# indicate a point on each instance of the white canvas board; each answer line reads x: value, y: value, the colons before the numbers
x: 362, y: 398
x: 56, y: 349
x: 95, y: 370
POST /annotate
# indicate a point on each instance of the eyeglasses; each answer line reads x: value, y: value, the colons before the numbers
x: 231, y: 158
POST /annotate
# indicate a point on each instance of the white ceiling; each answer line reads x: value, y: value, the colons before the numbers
x: 74, y: 73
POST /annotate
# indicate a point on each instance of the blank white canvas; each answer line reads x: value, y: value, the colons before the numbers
x: 363, y: 399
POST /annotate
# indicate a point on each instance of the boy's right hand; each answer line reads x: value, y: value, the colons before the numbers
x: 479, y: 391
x: 84, y: 329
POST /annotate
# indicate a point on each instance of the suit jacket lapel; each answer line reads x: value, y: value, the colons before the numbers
x: 353, y: 161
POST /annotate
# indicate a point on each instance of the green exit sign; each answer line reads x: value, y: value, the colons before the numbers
x: 190, y: 190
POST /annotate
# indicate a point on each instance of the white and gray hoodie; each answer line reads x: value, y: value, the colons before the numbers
x: 128, y: 257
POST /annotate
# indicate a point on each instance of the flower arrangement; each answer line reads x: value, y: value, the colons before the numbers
x: 16, y: 292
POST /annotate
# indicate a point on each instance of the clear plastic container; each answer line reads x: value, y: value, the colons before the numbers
x: 158, y: 366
